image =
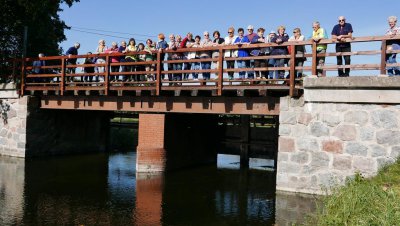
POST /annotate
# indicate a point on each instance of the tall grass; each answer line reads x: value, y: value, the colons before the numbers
x: 374, y: 201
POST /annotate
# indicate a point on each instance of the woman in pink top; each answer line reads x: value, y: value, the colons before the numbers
x: 114, y: 59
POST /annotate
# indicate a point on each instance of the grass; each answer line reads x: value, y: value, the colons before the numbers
x: 374, y: 201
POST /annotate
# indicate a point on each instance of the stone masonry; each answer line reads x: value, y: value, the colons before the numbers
x: 322, y: 143
x: 13, y: 128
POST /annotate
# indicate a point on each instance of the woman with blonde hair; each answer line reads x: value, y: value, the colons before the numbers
x: 101, y: 48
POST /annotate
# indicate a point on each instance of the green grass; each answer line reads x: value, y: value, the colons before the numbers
x: 374, y: 201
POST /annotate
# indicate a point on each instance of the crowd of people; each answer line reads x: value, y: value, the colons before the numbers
x: 341, y: 34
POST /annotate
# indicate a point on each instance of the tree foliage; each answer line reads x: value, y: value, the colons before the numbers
x: 45, y: 28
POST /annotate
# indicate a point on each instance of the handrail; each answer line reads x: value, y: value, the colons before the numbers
x: 155, y: 67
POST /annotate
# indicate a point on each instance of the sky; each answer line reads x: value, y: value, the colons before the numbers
x: 146, y: 19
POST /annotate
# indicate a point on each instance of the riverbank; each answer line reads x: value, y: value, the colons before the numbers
x: 374, y: 201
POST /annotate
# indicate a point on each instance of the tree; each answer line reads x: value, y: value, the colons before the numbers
x: 45, y: 29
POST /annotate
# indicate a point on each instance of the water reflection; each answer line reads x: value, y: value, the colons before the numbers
x: 104, y: 189
x: 11, y: 190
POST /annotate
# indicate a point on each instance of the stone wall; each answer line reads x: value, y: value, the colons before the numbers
x: 321, y: 142
x: 26, y: 130
x: 13, y: 127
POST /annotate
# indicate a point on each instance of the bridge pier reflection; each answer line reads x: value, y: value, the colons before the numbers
x: 172, y: 141
x: 149, y: 190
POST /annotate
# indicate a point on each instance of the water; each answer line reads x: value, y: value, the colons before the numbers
x: 104, y: 189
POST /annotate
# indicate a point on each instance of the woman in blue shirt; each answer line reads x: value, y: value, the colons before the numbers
x: 240, y: 40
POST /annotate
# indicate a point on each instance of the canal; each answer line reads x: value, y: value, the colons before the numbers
x: 104, y: 189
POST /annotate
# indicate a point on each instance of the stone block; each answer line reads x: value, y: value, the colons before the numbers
x: 319, y: 129
x: 395, y: 152
x: 21, y: 145
x: 297, y: 102
x: 300, y: 157
x: 343, y: 107
x: 384, y: 161
x: 307, y: 144
x: 356, y: 117
x: 284, y: 104
x: 290, y: 168
x: 341, y: 162
x: 286, y: 144
x: 319, y: 160
x: 330, y: 119
x: 3, y: 132
x: 388, y: 137
x: 377, y: 150
x: 12, y: 113
x: 299, y: 130
x: 345, y: 132
x: 332, y: 146
x: 384, y: 119
x: 287, y: 118
x: 284, y: 129
x: 364, y: 165
x: 283, y: 157
x: 304, y: 118
x: 355, y: 148
x: 366, y: 133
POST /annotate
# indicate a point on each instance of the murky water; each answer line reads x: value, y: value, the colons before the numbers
x: 104, y: 189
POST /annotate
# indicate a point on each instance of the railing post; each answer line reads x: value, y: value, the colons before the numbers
x: 158, y: 74
x: 220, y: 71
x: 314, y: 62
x: 292, y: 69
x: 383, y: 58
x: 107, y: 75
x: 62, y: 82
x: 22, y: 76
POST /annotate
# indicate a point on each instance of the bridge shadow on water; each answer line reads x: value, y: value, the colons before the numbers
x: 105, y: 189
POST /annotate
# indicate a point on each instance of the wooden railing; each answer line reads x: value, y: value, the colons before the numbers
x: 54, y: 76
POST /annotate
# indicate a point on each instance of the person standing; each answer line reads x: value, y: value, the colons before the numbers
x: 114, y: 59
x: 340, y: 32
x: 253, y: 38
x: 161, y: 45
x: 280, y: 38
x: 318, y: 34
x: 37, y: 67
x: 121, y: 49
x: 188, y: 40
x: 240, y: 41
x: 299, y: 49
x: 392, y: 45
x: 206, y: 65
x: 229, y: 40
x: 72, y: 61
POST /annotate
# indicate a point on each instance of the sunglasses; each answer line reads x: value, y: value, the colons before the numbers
x: 342, y: 20
x: 230, y: 32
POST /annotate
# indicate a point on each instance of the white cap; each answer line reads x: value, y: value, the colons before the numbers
x: 250, y: 27
x: 272, y: 32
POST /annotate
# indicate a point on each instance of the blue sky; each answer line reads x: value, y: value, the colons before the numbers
x: 151, y: 17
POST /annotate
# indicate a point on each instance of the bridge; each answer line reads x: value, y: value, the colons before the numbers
x: 317, y: 129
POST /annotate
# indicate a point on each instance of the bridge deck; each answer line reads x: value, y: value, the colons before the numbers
x: 61, y: 85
